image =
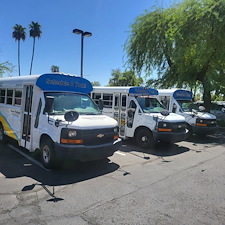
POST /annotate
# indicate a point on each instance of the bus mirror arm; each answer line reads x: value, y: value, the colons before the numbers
x: 100, y: 104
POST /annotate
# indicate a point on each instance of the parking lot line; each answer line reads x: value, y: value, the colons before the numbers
x: 28, y: 157
x: 120, y: 153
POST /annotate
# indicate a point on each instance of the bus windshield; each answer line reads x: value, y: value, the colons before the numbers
x: 64, y: 102
x: 150, y: 105
x: 187, y: 105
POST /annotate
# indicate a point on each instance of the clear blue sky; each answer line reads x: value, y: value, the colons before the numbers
x: 108, y: 20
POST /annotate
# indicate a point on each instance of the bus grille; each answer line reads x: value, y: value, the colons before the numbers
x: 179, y: 127
x: 98, y: 136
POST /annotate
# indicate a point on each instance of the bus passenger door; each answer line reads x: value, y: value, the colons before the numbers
x: 120, y: 112
x: 26, y: 117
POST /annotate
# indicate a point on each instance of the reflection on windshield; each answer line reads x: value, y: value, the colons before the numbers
x: 64, y: 102
x: 187, y: 105
x: 150, y: 105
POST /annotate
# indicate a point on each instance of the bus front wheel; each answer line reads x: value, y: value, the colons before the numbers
x: 47, y: 153
x: 144, y: 138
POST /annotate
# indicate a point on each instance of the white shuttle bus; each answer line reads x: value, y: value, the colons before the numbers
x: 180, y: 101
x: 140, y: 115
x: 53, y: 113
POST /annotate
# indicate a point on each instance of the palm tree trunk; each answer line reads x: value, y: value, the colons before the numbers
x: 19, y: 56
x: 32, y: 58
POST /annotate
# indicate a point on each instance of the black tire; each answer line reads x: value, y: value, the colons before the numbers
x: 144, y: 138
x: 48, y: 157
x: 2, y: 135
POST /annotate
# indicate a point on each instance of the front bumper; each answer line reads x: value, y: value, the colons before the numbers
x: 170, y: 137
x: 86, y: 153
x: 204, y: 130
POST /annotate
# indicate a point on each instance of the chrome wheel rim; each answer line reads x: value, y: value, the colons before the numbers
x: 46, y: 154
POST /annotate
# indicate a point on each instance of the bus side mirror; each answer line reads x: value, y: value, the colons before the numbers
x: 165, y: 113
x: 174, y: 108
x: 130, y: 112
x: 49, y: 102
x: 201, y: 108
x: 100, y: 104
x: 71, y: 116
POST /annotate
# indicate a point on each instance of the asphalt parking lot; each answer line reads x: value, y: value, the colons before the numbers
x: 169, y: 184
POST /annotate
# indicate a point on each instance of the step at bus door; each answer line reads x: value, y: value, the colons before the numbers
x: 27, y: 115
x: 120, y: 112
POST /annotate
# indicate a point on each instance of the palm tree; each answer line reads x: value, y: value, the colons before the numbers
x: 19, y: 33
x: 35, y: 31
x: 54, y: 69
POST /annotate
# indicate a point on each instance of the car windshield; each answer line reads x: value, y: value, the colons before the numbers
x: 64, y: 102
x: 188, y: 105
x: 150, y: 105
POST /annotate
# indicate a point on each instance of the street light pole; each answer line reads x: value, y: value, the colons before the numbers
x: 83, y: 34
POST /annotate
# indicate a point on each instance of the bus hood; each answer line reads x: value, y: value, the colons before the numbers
x: 172, y: 117
x: 88, y: 122
x: 202, y: 115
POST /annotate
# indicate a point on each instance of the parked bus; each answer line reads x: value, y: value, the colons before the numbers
x: 180, y: 101
x: 53, y: 113
x: 140, y: 115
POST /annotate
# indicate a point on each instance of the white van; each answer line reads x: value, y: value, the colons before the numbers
x: 140, y: 115
x: 53, y: 113
x: 180, y: 101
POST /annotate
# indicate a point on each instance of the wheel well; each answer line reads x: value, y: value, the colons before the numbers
x: 141, y: 127
x: 44, y: 137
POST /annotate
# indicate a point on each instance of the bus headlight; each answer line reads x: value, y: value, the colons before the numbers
x: 116, y: 129
x: 72, y: 133
x: 201, y: 122
x: 164, y: 127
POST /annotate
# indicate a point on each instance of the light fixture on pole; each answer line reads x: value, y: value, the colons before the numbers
x: 83, y: 34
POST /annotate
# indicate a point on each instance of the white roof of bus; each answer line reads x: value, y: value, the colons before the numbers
x: 124, y: 89
x: 168, y: 91
x: 20, y: 80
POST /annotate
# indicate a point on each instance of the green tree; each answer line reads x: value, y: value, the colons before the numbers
x: 54, y: 69
x: 96, y: 83
x: 126, y: 78
x: 6, y: 67
x: 35, y: 31
x: 19, y: 33
x: 185, y: 44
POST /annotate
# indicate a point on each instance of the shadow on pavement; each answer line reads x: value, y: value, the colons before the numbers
x: 213, y: 139
x: 13, y: 165
x: 160, y: 149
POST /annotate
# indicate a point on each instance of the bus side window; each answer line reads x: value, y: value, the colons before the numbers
x: 107, y: 100
x: 131, y: 113
x: 38, y: 114
x: 2, y: 95
x: 116, y: 106
x: 174, y: 108
x: 96, y: 97
x: 18, y: 97
x: 165, y: 100
x: 124, y: 102
x: 9, y: 99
